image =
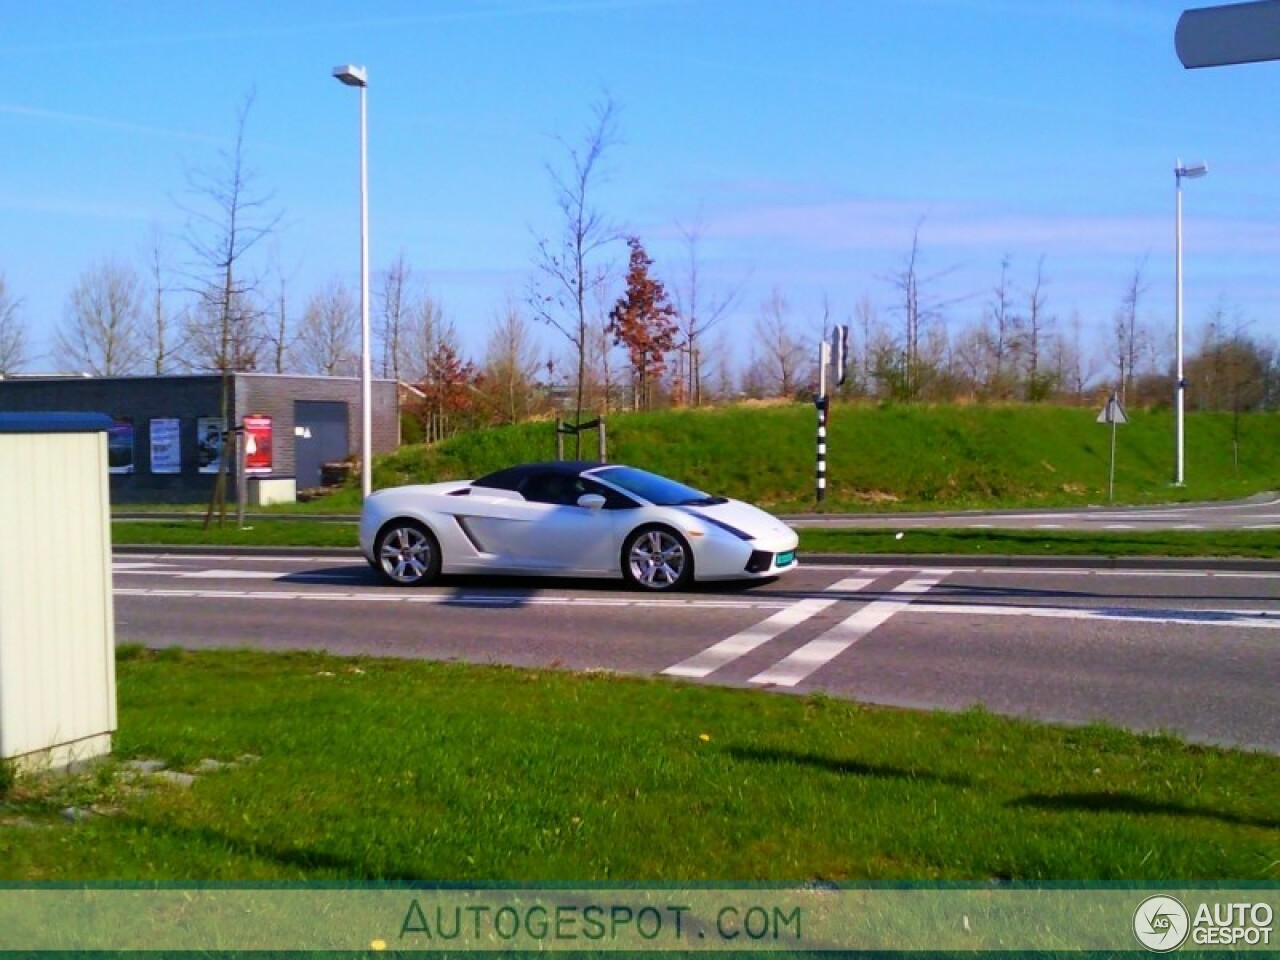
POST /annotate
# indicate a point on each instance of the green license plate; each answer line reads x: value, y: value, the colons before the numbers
x: 785, y: 559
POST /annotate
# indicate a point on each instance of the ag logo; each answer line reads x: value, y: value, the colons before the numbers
x: 1161, y: 924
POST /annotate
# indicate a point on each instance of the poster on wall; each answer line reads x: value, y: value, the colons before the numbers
x: 211, y: 432
x: 120, y: 446
x: 166, y: 451
x: 257, y: 444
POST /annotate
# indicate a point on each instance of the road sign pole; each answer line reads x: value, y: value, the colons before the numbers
x: 820, y: 493
x: 1111, y: 477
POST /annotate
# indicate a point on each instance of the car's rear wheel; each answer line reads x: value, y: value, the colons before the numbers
x: 657, y: 558
x: 407, y: 553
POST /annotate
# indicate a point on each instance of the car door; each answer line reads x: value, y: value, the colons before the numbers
x: 548, y: 532
x: 563, y: 535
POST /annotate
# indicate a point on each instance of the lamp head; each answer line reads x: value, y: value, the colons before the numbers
x: 1184, y: 172
x: 352, y: 75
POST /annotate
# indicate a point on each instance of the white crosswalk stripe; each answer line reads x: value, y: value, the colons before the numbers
x: 816, y: 653
x: 740, y: 644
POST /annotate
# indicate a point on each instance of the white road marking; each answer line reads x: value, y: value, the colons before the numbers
x: 1219, y: 617
x: 740, y: 644
x: 801, y: 663
x: 464, y: 599
x: 170, y: 558
x: 1195, y: 618
x: 1063, y: 571
x: 229, y: 575
x: 1164, y: 574
x: 128, y: 566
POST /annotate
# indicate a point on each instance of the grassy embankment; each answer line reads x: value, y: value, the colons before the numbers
x: 359, y: 769
x: 893, y: 458
x: 880, y: 459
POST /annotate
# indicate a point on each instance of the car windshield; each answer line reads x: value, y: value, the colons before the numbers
x: 659, y: 491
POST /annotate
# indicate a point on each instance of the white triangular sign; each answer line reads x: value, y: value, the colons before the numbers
x: 1112, y: 412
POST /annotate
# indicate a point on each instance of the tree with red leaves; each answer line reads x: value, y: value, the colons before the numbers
x: 643, y: 321
x: 447, y: 387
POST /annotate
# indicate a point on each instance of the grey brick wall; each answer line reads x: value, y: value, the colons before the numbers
x: 274, y: 396
x: 189, y: 398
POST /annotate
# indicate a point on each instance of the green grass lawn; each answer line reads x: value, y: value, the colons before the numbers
x: 316, y: 533
x: 893, y: 457
x: 256, y: 533
x: 1253, y: 544
x: 364, y: 769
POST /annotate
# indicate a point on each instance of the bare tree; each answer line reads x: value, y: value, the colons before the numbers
x: 225, y: 337
x: 13, y: 332
x: 158, y: 338
x: 394, y: 303
x: 970, y: 359
x: 720, y: 353
x: 1038, y: 326
x: 1072, y: 368
x: 277, y: 329
x: 919, y: 309
x: 1230, y: 370
x: 233, y: 217
x: 511, y: 367
x: 871, y: 334
x: 327, y: 338
x: 697, y: 310
x: 1002, y: 336
x: 422, y: 328
x: 568, y: 267
x: 1129, y: 334
x: 782, y: 356
x: 101, y: 333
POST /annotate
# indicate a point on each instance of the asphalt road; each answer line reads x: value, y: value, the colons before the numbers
x: 1189, y: 651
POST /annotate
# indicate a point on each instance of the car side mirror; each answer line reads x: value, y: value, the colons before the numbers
x: 592, y: 501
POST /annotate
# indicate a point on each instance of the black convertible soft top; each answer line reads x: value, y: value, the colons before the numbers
x: 510, y: 478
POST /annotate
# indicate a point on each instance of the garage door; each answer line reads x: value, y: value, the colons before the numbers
x: 320, y: 429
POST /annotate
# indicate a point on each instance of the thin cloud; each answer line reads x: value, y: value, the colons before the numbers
x: 69, y: 207
x: 102, y: 123
x: 293, y: 29
x: 859, y: 225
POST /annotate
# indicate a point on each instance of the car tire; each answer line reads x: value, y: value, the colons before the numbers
x: 407, y: 554
x: 657, y: 558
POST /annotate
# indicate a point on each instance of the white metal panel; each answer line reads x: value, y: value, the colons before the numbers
x: 57, y: 626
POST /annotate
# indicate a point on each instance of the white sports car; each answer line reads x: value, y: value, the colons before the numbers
x: 576, y: 519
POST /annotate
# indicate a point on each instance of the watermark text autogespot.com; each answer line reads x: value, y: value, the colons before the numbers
x: 604, y: 923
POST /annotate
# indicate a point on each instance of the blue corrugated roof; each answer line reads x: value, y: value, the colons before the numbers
x: 54, y: 422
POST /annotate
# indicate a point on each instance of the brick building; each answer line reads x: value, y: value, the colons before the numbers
x: 168, y: 433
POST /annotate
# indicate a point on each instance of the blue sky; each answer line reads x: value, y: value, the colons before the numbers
x: 810, y: 138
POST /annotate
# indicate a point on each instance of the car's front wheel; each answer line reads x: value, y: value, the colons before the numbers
x: 407, y: 554
x: 657, y: 558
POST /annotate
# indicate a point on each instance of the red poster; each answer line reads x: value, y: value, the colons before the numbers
x: 257, y: 444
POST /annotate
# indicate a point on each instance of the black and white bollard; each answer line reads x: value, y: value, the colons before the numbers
x: 821, y: 403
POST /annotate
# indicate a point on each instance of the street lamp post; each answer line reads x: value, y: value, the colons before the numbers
x: 1180, y: 172
x: 354, y: 76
